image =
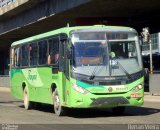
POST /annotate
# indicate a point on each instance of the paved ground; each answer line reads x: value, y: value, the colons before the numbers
x: 13, y: 112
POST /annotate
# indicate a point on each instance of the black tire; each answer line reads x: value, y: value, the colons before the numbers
x: 118, y: 110
x: 27, y: 103
x: 58, y: 109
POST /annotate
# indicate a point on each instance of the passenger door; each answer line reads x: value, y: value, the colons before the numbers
x: 64, y: 65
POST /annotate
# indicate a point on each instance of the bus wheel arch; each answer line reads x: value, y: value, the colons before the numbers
x: 23, y: 86
x: 53, y: 87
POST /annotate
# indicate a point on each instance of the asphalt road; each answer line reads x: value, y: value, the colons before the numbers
x: 43, y: 117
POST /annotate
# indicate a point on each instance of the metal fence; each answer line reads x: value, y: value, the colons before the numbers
x: 4, y: 3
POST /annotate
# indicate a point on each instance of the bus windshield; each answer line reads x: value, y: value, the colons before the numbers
x: 105, y: 53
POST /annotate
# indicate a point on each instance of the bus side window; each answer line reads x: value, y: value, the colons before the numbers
x: 25, y: 53
x: 53, y: 51
x: 33, y: 54
x: 17, y: 57
x: 42, y: 52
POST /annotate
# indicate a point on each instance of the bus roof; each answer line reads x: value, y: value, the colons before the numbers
x: 67, y: 30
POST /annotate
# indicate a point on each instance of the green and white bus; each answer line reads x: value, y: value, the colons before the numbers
x: 79, y: 67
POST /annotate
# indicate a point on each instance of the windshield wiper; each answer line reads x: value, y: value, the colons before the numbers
x: 124, y: 70
x: 93, y: 73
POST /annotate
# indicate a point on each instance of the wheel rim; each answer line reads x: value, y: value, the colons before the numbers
x: 56, y: 102
x: 25, y: 99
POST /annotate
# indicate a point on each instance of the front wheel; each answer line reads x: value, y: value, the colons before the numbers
x: 118, y: 110
x: 59, y: 110
x: 27, y: 103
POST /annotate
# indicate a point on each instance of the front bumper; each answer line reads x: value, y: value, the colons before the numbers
x: 104, y: 101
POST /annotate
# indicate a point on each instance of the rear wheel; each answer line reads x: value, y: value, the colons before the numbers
x: 27, y: 103
x: 118, y: 110
x: 59, y: 110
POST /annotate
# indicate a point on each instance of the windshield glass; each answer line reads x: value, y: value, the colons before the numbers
x: 105, y: 54
x: 124, y: 55
x: 88, y: 55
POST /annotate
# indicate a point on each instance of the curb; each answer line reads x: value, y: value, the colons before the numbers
x: 152, y: 98
x: 4, y: 89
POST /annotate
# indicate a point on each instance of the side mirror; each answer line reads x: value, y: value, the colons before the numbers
x: 69, y: 53
x: 141, y: 44
x: 140, y: 41
x: 145, y: 35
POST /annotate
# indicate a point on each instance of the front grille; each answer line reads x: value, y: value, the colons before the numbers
x: 87, y: 81
x: 109, y: 101
x: 109, y: 93
x: 110, y: 83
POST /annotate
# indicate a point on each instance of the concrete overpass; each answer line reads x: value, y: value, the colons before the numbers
x: 23, y: 18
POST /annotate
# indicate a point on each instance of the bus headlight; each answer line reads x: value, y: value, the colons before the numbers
x: 79, y: 89
x: 138, y: 87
